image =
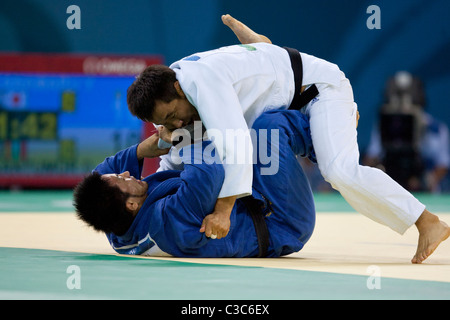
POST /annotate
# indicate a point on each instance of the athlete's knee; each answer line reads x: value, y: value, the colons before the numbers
x: 339, y: 173
x: 268, y: 120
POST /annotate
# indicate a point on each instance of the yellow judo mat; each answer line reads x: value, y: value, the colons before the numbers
x: 46, y: 253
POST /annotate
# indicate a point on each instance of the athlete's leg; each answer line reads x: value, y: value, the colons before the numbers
x: 242, y: 32
x: 368, y: 190
x: 287, y: 189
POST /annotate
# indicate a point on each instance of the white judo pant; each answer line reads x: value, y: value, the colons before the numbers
x: 369, y: 191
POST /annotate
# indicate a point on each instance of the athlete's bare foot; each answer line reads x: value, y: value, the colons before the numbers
x: 242, y: 32
x: 432, y: 232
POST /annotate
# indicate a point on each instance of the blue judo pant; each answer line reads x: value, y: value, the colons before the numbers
x: 291, y: 216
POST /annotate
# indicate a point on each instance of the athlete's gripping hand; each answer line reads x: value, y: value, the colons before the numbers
x: 149, y: 148
x: 165, y: 134
x: 217, y: 224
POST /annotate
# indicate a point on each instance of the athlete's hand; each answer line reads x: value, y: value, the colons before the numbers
x: 165, y: 134
x: 217, y: 224
x: 357, y: 118
x: 149, y: 148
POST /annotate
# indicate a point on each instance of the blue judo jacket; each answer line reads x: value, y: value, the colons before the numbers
x: 178, y: 201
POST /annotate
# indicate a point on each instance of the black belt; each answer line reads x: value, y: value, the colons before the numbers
x: 262, y: 233
x: 300, y: 99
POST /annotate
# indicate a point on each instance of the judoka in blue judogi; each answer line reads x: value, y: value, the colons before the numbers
x: 174, y: 203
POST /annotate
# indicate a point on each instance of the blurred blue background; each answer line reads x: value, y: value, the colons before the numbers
x: 414, y: 36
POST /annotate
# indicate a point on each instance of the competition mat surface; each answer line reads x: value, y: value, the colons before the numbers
x: 46, y: 253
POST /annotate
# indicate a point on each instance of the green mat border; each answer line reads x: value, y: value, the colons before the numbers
x: 43, y: 274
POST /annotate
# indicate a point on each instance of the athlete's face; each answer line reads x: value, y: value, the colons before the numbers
x: 175, y: 114
x: 127, y: 183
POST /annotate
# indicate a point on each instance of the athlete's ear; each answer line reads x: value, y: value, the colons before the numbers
x: 131, y: 205
x: 180, y: 92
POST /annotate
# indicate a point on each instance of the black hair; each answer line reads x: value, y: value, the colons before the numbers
x: 156, y: 82
x: 101, y: 205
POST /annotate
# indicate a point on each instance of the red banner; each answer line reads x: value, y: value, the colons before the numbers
x: 75, y: 63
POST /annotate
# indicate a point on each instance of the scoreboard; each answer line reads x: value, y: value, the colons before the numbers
x: 61, y: 115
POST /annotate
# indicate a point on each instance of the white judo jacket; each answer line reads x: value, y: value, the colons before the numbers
x: 230, y: 87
